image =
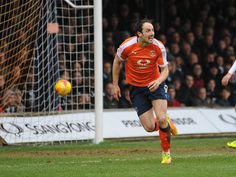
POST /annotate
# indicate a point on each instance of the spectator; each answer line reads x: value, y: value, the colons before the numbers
x: 175, y: 49
x: 104, y: 24
x: 198, y: 76
x: 17, y: 74
x: 190, y: 38
x: 212, y: 92
x: 201, y: 99
x: 175, y: 38
x: 65, y: 75
x: 89, y: 83
x: 2, y: 82
x: 214, y: 74
x: 9, y: 102
x: 221, y: 48
x: 85, y: 101
x: 173, y: 102
x: 192, y: 60
x: 113, y: 23
x: 30, y: 96
x: 173, y: 72
x: 120, y: 37
x: 157, y: 27
x: 78, y: 67
x: 108, y: 99
x: 124, y: 17
x: 180, y: 65
x: 209, y: 44
x: 62, y: 62
x: 186, y: 27
x: 230, y: 51
x: 107, y: 72
x: 108, y: 37
x: 125, y: 101
x: 224, y: 98
x: 188, y: 92
x: 18, y: 100
x: 109, y: 52
x: 78, y: 83
x: 220, y: 64
x: 162, y: 38
x: 70, y: 53
x: 178, y: 87
x: 86, y: 63
x: 207, y: 62
x: 198, y: 33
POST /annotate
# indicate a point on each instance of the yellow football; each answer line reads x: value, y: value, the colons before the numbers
x: 63, y: 87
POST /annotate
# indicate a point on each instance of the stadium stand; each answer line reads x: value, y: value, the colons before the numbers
x: 200, y: 37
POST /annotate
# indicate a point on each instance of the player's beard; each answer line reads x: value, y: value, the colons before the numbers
x: 150, y: 40
x: 146, y: 40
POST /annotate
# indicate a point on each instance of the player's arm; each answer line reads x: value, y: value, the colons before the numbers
x: 163, y: 64
x: 117, y: 64
x: 227, y: 77
x: 163, y: 76
x: 164, y: 73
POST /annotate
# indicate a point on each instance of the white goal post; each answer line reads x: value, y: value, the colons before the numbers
x: 79, y: 6
x: 98, y: 65
x: 98, y: 71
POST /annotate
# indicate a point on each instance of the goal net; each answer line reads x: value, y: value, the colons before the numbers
x: 42, y: 41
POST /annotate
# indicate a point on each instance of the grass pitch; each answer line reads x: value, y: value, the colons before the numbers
x: 206, y: 157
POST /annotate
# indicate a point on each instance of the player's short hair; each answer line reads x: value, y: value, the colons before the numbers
x: 139, y: 24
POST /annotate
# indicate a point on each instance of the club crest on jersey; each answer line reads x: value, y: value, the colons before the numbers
x: 134, y: 52
x: 152, y: 53
x: 142, y: 63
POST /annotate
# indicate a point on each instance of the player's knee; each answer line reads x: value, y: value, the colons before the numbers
x: 150, y: 128
x: 162, y: 122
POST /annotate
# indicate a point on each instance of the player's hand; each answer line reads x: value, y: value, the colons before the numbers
x: 116, y: 92
x: 153, y: 85
x: 226, y: 79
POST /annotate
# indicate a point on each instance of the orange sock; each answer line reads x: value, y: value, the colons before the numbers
x: 165, y: 137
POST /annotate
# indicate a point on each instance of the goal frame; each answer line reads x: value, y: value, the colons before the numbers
x: 98, y: 65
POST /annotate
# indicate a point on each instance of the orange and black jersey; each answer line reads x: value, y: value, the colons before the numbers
x: 142, y: 62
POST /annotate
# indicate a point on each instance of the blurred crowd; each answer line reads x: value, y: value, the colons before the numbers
x: 17, y: 39
x: 199, y: 35
x: 75, y: 60
x: 200, y: 38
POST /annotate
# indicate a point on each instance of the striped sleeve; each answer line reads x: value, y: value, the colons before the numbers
x: 122, y: 50
x: 233, y: 68
x: 121, y: 53
x: 162, y: 59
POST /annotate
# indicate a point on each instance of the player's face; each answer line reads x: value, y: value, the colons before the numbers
x: 147, y: 33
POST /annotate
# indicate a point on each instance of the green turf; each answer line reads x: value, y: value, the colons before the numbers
x: 208, y: 157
